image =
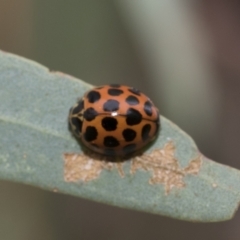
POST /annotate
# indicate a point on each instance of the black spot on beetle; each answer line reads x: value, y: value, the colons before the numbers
x: 90, y: 134
x: 129, y: 134
x: 90, y: 114
x: 145, y: 132
x: 77, y: 123
x: 115, y: 92
x: 148, y: 108
x: 111, y: 105
x: 79, y: 107
x: 110, y: 141
x: 133, y: 117
x: 109, y: 123
x: 134, y: 91
x: 93, y: 96
x: 129, y: 148
x: 132, y: 100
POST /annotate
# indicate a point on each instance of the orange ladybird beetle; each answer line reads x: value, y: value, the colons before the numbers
x: 114, y: 120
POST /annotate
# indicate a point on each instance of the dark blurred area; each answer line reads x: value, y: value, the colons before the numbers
x: 91, y: 40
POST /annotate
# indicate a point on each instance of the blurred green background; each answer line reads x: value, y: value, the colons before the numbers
x: 184, y: 54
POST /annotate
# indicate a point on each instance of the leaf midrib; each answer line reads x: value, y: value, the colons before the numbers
x: 36, y: 128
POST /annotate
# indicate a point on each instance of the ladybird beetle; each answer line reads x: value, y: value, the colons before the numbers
x: 114, y: 120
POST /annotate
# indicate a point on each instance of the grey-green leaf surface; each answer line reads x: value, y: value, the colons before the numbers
x: 34, y: 137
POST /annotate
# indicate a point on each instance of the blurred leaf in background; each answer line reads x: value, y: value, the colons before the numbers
x: 92, y: 40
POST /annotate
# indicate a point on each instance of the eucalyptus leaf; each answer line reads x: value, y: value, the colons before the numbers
x: 171, y: 178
